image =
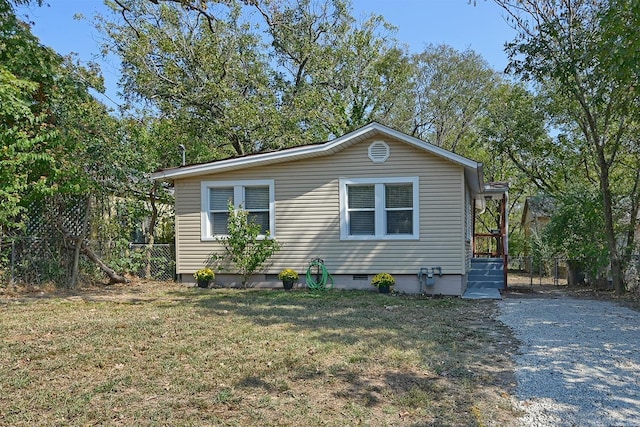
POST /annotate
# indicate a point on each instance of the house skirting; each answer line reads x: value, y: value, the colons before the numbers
x: 448, y: 284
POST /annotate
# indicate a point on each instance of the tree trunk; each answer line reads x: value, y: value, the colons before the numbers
x: 633, y: 222
x: 76, y: 262
x: 575, y: 274
x: 614, y: 258
x: 113, y: 276
x: 78, y: 244
x: 152, y: 227
x: 149, y: 251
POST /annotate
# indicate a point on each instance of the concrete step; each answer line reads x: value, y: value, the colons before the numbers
x: 482, y: 274
x: 482, y: 294
x: 485, y: 284
x: 486, y: 273
x: 487, y: 265
x: 486, y: 260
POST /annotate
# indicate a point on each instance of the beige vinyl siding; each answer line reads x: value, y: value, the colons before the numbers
x: 468, y: 222
x: 308, y: 216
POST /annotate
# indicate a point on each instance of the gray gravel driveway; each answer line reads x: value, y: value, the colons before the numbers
x: 578, y: 362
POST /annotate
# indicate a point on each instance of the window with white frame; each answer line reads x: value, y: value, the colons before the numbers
x: 254, y: 196
x: 379, y: 208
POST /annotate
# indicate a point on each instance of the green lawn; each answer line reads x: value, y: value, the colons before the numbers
x: 157, y: 354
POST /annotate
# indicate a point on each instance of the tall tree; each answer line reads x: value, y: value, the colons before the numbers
x: 27, y: 72
x: 304, y: 38
x: 516, y: 125
x: 509, y: 130
x: 452, y: 91
x: 262, y: 75
x: 210, y: 78
x: 371, y: 79
x: 57, y: 140
x: 562, y: 45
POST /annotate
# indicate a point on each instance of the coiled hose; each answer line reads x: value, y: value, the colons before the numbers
x: 323, y: 281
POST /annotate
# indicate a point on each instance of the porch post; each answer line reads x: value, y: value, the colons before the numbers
x: 473, y: 229
x: 505, y: 235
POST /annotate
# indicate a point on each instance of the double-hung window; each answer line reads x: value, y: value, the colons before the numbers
x: 379, y: 208
x: 255, y: 196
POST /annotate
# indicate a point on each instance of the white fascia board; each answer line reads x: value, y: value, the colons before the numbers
x: 471, y: 167
x: 473, y: 170
x: 475, y: 179
x: 232, y: 163
x: 257, y: 159
x: 433, y: 149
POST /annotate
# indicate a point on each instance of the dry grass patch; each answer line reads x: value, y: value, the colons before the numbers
x: 154, y: 354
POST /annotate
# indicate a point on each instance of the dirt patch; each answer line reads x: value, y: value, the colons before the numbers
x: 522, y: 286
x: 137, y: 290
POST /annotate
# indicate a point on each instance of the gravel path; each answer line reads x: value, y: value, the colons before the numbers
x: 578, y: 363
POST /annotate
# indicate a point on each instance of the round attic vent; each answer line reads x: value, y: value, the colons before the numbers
x: 378, y: 151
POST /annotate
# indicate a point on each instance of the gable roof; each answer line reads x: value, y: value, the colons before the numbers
x: 473, y: 169
x: 540, y: 206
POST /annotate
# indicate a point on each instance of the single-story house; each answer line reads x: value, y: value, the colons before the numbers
x: 536, y: 214
x: 374, y: 200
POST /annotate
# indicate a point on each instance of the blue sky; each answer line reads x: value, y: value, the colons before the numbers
x: 454, y: 22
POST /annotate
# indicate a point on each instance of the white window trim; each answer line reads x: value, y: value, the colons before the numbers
x: 238, y: 201
x: 380, y: 217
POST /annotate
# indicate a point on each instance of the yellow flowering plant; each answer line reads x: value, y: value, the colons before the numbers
x: 383, y: 279
x: 204, y: 274
x: 288, y: 275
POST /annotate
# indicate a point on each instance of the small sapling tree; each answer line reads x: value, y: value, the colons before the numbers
x: 246, y: 247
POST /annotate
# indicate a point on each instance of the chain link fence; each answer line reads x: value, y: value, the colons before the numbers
x: 158, y: 264
x: 556, y: 271
x: 34, y: 261
x: 529, y: 271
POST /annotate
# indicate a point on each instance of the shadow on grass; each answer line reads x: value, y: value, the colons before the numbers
x: 403, y: 351
x: 345, y: 317
x: 253, y: 357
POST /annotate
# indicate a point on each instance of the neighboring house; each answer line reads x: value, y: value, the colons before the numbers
x: 538, y: 211
x: 535, y: 216
x: 370, y: 201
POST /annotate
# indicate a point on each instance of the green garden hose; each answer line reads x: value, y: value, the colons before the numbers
x: 323, y: 280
